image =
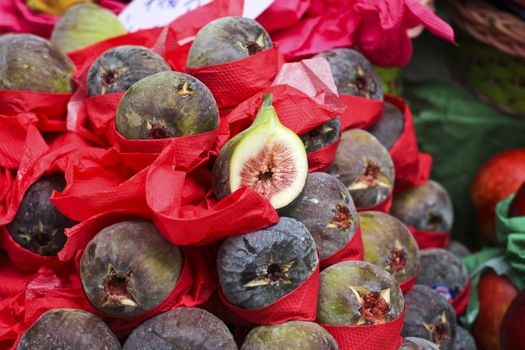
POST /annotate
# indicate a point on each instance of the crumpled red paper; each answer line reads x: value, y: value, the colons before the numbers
x: 386, y: 336
x: 353, y: 250
x: 377, y: 28
x: 360, y: 112
x: 429, y: 239
x: 13, y: 134
x: 406, y: 286
x: 17, y: 17
x: 460, y: 302
x: 384, y: 206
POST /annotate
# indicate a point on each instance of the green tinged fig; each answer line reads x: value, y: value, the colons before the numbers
x: 122, y: 66
x: 181, y: 329
x: 354, y: 293
x: 83, y: 25
x: 390, y: 126
x: 227, y: 39
x: 68, y: 329
x: 31, y: 63
x: 38, y: 225
x: 164, y: 105
x: 388, y: 244
x: 328, y: 212
x: 290, y: 335
x: 258, y: 268
x: 267, y: 157
x: 128, y: 268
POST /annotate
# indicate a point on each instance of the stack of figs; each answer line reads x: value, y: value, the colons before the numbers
x: 128, y: 268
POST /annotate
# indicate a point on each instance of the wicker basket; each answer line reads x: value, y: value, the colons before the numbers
x: 491, y: 54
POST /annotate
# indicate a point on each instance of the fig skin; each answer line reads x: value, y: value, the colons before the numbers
x: 38, y: 225
x: 429, y: 316
x: 365, y: 167
x: 463, y: 340
x: 426, y: 207
x: 258, y: 268
x: 328, y: 212
x: 414, y: 343
x: 122, y: 66
x: 322, y: 136
x: 458, y: 249
x: 83, y: 25
x: 290, y: 335
x: 441, y: 267
x: 166, y: 104
x: 31, y: 63
x: 353, y: 73
x: 338, y: 303
x: 68, y: 329
x: 227, y: 39
x: 390, y: 126
x: 181, y: 328
x: 388, y: 244
x: 128, y: 268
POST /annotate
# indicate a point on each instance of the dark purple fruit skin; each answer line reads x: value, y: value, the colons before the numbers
x: 353, y: 73
x: 413, y: 343
x: 147, y: 265
x: 164, y: 105
x: 356, y: 147
x: 122, y: 66
x: 441, y: 267
x: 31, y: 63
x: 425, y: 306
x: 245, y: 258
x: 181, y: 328
x: 324, y: 197
x: 426, y: 207
x: 38, y: 225
x: 290, y: 335
x: 390, y: 126
x: 227, y: 39
x: 322, y: 136
x: 68, y: 329
x: 458, y: 248
x: 463, y: 340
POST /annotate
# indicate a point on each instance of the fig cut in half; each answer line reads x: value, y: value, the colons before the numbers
x: 267, y: 157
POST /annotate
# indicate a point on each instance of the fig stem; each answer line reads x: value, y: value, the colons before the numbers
x: 267, y: 113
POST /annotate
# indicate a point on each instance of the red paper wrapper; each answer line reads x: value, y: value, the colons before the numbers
x: 352, y: 251
x: 16, y: 279
x: 360, y: 112
x: 14, y: 135
x: 233, y: 82
x: 321, y: 159
x: 406, y: 286
x: 429, y: 239
x: 386, y: 336
x: 460, y: 302
x: 384, y: 206
x: 300, y: 304
x: 49, y: 108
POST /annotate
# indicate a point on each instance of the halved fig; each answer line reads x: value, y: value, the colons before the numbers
x: 267, y: 157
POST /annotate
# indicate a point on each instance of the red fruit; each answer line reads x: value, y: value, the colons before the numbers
x: 517, y: 206
x: 513, y: 325
x: 498, y: 178
x: 495, y: 293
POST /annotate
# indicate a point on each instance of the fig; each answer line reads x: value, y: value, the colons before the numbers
x: 166, y: 104
x: 128, y: 268
x: 181, y: 329
x: 429, y: 316
x: 353, y: 73
x: 414, y: 343
x: 365, y: 167
x: 463, y: 340
x: 354, y: 293
x: 328, y: 212
x: 38, y: 225
x: 290, y: 335
x: 258, y: 268
x: 33, y: 64
x: 122, y: 66
x: 83, y: 25
x: 442, y: 271
x: 227, y: 39
x: 322, y: 136
x: 267, y: 157
x: 68, y: 329
x: 388, y: 244
x: 390, y: 126
x: 458, y: 248
x: 425, y: 207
